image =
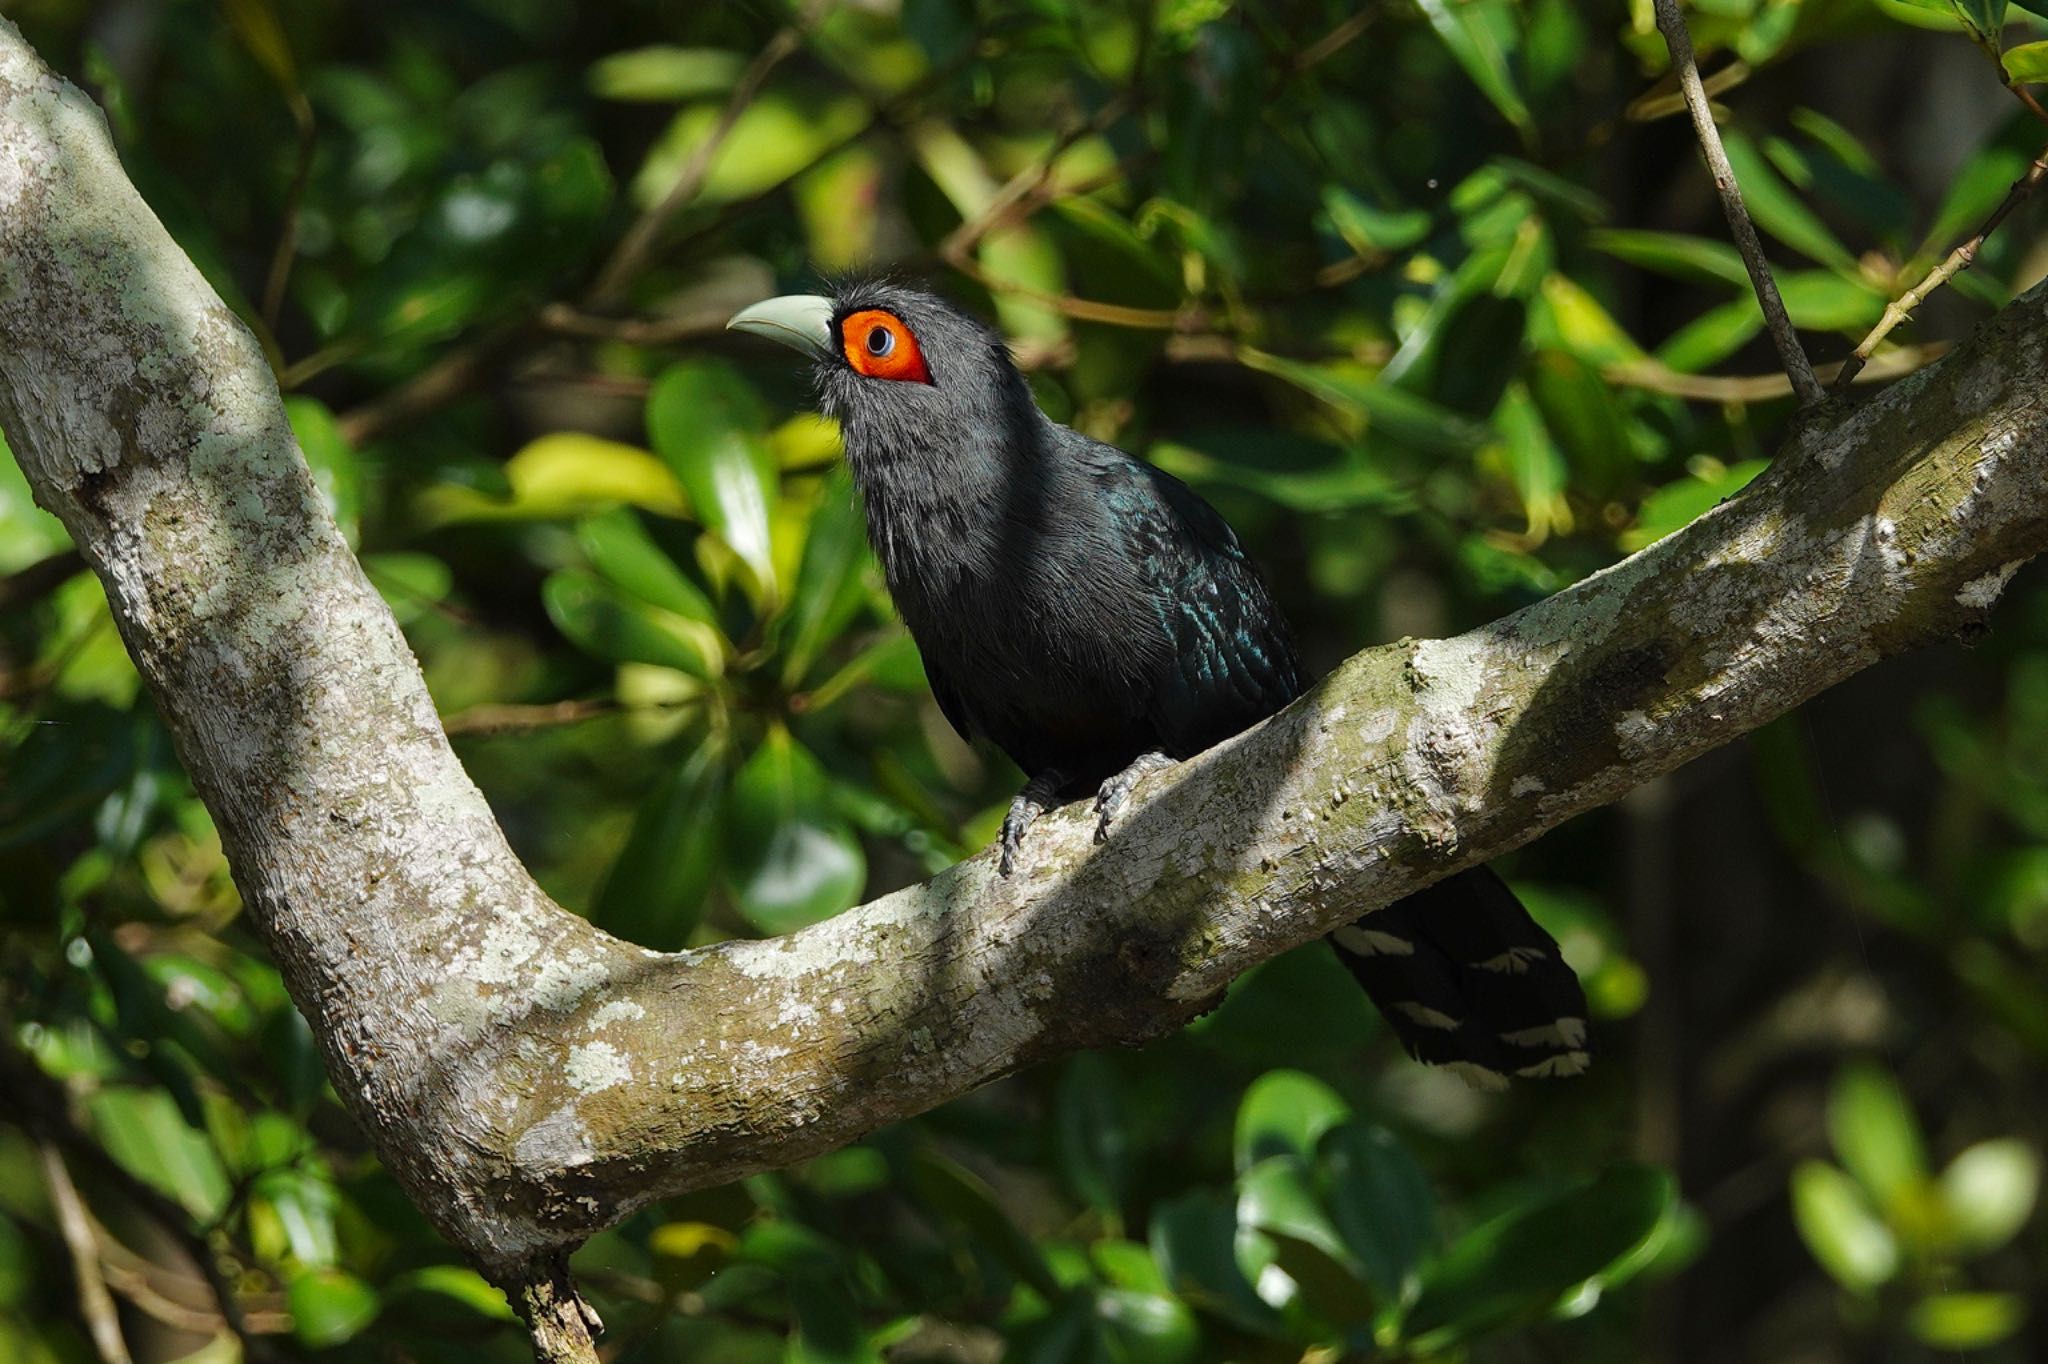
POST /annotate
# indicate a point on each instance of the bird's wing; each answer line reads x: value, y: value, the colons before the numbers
x: 951, y: 705
x: 1231, y: 661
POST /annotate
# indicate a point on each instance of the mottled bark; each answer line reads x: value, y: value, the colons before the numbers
x: 531, y: 1079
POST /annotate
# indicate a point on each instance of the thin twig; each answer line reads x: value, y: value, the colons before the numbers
x: 1654, y: 377
x: 566, y: 319
x: 448, y: 378
x: 95, y: 1304
x: 43, y: 1106
x: 1335, y: 41
x: 1029, y: 184
x: 31, y: 584
x: 497, y: 718
x: 1957, y: 261
x: 287, y: 248
x: 1088, y: 309
x: 646, y: 232
x: 1672, y: 24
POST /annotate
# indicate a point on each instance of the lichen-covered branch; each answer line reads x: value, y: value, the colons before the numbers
x: 531, y: 1079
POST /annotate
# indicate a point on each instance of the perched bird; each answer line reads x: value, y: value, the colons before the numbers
x: 1095, y: 619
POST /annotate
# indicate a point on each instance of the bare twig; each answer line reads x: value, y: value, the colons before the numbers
x: 39, y: 579
x: 1335, y: 41
x: 494, y: 718
x: 446, y: 379
x: 1028, y: 187
x: 1790, y: 353
x: 287, y: 248
x: 95, y: 1304
x: 645, y: 234
x: 1957, y: 261
x: 42, y: 1106
x: 1088, y: 309
x: 566, y: 319
x: 1756, y: 388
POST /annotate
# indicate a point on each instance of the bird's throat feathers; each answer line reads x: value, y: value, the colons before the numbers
x: 942, y: 465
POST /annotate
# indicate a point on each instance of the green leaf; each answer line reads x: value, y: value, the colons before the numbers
x: 2027, y: 62
x: 1366, y: 229
x: 1967, y: 1321
x: 664, y: 73
x: 1875, y: 1136
x: 1196, y: 1243
x: 1147, y: 1328
x: 609, y: 624
x: 790, y: 861
x: 1677, y: 505
x: 1988, y: 1193
x: 410, y: 583
x: 778, y: 134
x: 1778, y: 209
x: 1483, y: 35
x: 565, y: 473
x: 623, y: 552
x: 1278, y: 1195
x: 971, y: 1205
x: 656, y: 891
x: 830, y: 589
x: 1713, y: 336
x: 1820, y: 301
x: 143, y: 1130
x: 1093, y: 1132
x: 1285, y: 1112
x: 330, y: 1306
x: 1674, y: 254
x: 458, y: 1284
x: 705, y: 421
x: 1400, y: 415
x: 1525, y: 1262
x: 1380, y: 1202
x: 331, y: 458
x: 1840, y: 1227
x: 1985, y: 16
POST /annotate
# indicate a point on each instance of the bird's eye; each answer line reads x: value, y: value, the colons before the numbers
x: 877, y: 345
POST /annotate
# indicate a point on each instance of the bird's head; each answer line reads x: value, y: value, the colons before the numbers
x: 908, y: 375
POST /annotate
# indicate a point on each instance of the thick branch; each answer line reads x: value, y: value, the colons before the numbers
x: 531, y: 1079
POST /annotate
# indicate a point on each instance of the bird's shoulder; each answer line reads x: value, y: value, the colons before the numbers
x: 1231, y: 657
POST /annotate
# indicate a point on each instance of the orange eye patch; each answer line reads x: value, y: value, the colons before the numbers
x: 878, y: 345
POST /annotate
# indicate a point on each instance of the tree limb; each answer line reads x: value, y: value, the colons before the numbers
x: 530, y: 1079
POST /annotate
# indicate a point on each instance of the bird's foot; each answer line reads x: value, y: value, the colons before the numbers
x: 1034, y: 800
x: 1115, y: 793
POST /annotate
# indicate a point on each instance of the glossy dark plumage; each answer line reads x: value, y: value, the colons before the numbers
x: 1081, y: 610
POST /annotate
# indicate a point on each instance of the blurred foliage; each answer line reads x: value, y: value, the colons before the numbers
x: 1431, y: 299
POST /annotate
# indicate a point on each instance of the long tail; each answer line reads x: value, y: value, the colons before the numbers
x: 1469, y: 981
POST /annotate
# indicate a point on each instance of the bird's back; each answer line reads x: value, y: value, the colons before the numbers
x: 1104, y: 611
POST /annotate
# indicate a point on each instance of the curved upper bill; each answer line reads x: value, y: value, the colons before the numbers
x: 801, y: 321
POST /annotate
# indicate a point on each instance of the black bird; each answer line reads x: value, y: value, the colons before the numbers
x: 1095, y: 619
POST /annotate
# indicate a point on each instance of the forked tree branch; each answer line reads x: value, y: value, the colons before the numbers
x: 530, y: 1079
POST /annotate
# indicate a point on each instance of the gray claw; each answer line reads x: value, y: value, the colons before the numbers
x: 1115, y: 793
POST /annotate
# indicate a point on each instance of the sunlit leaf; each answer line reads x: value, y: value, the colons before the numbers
x: 1988, y: 1193
x: 1875, y: 1135
x: 1967, y: 1321
x: 1841, y: 1229
x: 330, y: 1306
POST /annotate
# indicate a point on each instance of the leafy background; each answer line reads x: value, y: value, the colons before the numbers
x: 1432, y: 299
